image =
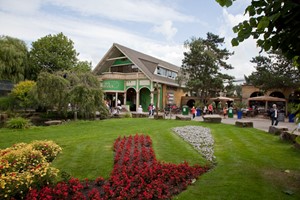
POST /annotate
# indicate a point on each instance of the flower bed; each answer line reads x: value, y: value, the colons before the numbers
x: 26, y: 165
x: 136, y: 175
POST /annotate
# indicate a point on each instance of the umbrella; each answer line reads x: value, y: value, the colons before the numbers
x: 221, y: 99
x: 267, y: 98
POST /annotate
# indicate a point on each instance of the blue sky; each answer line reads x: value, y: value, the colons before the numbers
x: 158, y: 28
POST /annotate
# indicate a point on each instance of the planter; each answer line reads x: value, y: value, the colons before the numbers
x: 239, y: 114
x: 291, y: 118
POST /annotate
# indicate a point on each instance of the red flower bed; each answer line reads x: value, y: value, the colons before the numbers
x: 136, y: 175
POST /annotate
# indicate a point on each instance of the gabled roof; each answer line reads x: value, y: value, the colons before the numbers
x: 146, y: 64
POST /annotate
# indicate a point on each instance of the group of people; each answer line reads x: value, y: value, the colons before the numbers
x: 151, y: 109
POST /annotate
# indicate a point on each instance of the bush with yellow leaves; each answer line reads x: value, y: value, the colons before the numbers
x: 24, y: 166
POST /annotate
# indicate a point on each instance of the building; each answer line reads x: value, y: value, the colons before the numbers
x: 134, y: 79
x: 291, y: 95
x: 5, y: 87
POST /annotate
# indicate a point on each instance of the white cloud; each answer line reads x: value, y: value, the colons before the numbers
x: 166, y: 29
x: 244, y: 52
x: 125, y: 10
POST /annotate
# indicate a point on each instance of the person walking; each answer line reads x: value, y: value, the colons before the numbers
x: 274, y: 115
x: 193, y: 110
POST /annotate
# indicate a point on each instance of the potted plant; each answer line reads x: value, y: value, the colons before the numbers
x: 239, y: 106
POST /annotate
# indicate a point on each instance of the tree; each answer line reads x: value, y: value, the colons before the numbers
x: 79, y: 89
x: 13, y: 59
x: 52, y: 91
x: 202, y: 64
x: 275, y: 25
x: 52, y: 53
x: 83, y: 66
x: 22, y: 94
x: 274, y: 71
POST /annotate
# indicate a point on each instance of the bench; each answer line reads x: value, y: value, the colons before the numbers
x: 277, y: 130
x: 212, y: 118
x: 241, y: 123
x: 183, y: 117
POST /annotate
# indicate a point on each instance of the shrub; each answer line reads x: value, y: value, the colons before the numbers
x: 6, y: 103
x: 23, y: 167
x: 127, y: 115
x: 18, y: 123
x: 49, y: 149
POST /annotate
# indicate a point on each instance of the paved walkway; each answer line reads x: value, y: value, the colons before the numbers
x: 259, y: 123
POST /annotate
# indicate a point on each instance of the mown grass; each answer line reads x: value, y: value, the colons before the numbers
x: 251, y: 164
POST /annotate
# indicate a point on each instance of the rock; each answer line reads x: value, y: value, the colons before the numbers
x: 53, y: 122
x: 200, y: 138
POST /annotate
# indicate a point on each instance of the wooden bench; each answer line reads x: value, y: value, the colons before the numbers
x: 212, y: 118
x: 241, y: 123
x: 183, y: 117
x: 277, y: 130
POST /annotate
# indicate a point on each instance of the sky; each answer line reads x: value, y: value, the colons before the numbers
x: 155, y: 27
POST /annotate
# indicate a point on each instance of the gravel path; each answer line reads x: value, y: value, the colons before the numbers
x: 200, y: 138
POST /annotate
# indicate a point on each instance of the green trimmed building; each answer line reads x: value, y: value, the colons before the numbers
x: 137, y: 79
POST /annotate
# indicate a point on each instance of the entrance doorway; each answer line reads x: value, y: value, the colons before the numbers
x: 131, y: 99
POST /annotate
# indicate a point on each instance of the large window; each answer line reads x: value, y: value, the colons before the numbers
x: 165, y: 72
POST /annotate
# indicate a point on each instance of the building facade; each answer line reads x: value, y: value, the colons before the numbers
x: 135, y: 79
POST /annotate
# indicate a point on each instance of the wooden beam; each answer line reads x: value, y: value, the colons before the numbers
x: 116, y: 58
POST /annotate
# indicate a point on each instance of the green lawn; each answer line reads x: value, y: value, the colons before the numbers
x: 251, y: 164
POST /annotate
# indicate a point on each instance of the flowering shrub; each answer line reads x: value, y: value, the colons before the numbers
x: 49, y: 149
x: 136, y: 175
x: 21, y: 167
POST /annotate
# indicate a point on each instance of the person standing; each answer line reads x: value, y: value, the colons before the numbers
x: 274, y: 115
x: 210, y: 109
x: 193, y: 110
x: 150, y: 109
x: 224, y: 112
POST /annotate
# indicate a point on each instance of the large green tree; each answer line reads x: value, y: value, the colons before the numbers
x: 202, y: 65
x: 79, y: 89
x: 53, y: 53
x: 273, y: 72
x: 274, y: 23
x: 13, y: 59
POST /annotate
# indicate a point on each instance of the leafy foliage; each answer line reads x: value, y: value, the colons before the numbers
x: 275, y: 25
x: 52, y: 53
x: 18, y: 123
x: 52, y: 91
x: 6, y: 103
x: 202, y: 64
x: 22, y: 93
x: 80, y: 89
x: 13, y: 59
x: 275, y: 68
